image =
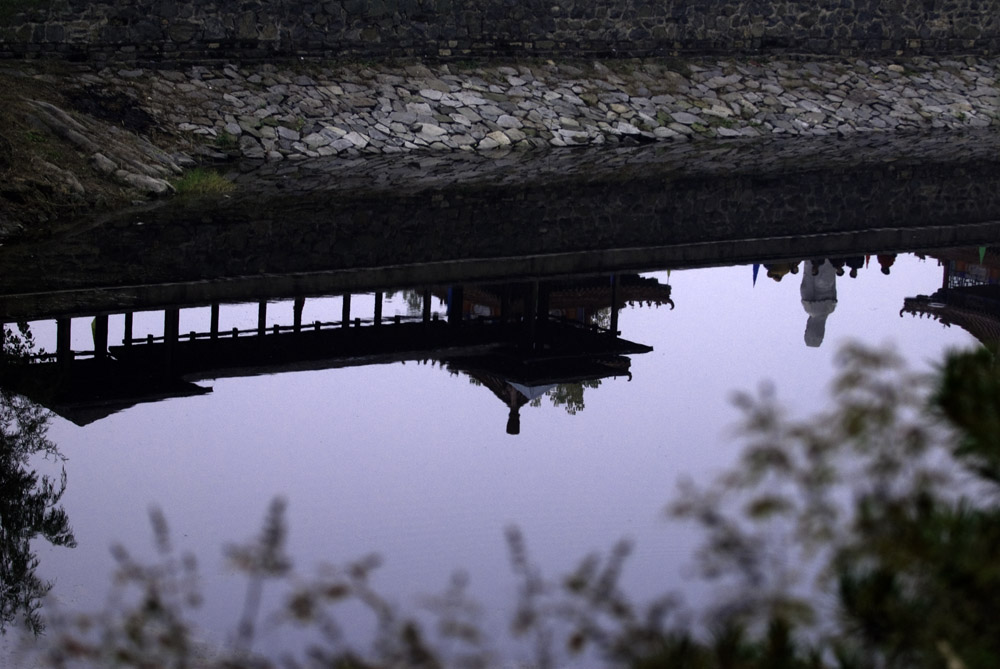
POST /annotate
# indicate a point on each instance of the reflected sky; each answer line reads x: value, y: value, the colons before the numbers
x: 413, y: 461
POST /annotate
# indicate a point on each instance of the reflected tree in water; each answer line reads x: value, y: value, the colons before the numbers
x: 601, y: 318
x: 413, y: 299
x: 569, y: 396
x: 29, y: 502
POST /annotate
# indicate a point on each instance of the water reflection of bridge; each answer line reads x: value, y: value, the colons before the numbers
x: 529, y: 338
x: 521, y: 319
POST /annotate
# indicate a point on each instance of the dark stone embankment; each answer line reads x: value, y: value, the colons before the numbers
x: 79, y: 140
x: 104, y: 103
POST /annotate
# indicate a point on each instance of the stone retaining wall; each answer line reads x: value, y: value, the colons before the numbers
x: 280, y: 113
x: 172, y: 30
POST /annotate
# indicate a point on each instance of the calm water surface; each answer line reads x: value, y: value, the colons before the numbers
x: 414, y: 462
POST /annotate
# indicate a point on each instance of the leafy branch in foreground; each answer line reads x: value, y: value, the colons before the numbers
x: 865, y: 536
x: 871, y: 527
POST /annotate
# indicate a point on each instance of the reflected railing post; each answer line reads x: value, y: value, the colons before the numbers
x: 261, y: 318
x: 127, y: 332
x: 456, y: 298
x: 101, y: 336
x: 64, y: 354
x: 214, y: 322
x: 297, y: 308
x: 615, y: 284
x: 345, y: 314
x: 171, y: 334
x: 378, y: 308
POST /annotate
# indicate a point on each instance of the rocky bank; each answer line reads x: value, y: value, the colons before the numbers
x: 277, y: 113
x: 137, y: 129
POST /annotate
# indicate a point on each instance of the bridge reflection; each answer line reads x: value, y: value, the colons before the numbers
x: 519, y: 325
x: 529, y: 335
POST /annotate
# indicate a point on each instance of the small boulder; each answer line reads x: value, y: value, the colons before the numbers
x: 148, y: 185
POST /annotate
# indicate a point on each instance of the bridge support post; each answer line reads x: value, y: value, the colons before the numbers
x: 101, y: 336
x: 214, y: 324
x: 297, y: 307
x: 615, y: 285
x: 64, y: 352
x: 456, y: 298
x: 127, y: 334
x: 171, y: 334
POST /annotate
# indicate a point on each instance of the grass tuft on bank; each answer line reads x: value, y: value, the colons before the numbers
x: 203, y: 181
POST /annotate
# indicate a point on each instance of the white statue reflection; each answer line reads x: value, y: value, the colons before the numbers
x: 819, y: 298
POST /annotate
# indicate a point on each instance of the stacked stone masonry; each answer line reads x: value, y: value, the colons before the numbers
x: 195, y: 30
x: 277, y: 113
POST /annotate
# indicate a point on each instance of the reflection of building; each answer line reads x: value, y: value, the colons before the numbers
x: 585, y: 300
x: 590, y: 304
x: 969, y: 296
x: 819, y: 298
x: 517, y: 379
x: 527, y: 344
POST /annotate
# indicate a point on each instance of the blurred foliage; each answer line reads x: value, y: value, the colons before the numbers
x: 886, y: 504
x: 29, y: 503
x: 862, y: 537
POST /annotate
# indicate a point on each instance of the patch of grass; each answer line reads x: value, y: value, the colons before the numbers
x: 201, y: 181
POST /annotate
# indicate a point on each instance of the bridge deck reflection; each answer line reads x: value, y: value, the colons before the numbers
x: 528, y: 337
x: 522, y: 322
